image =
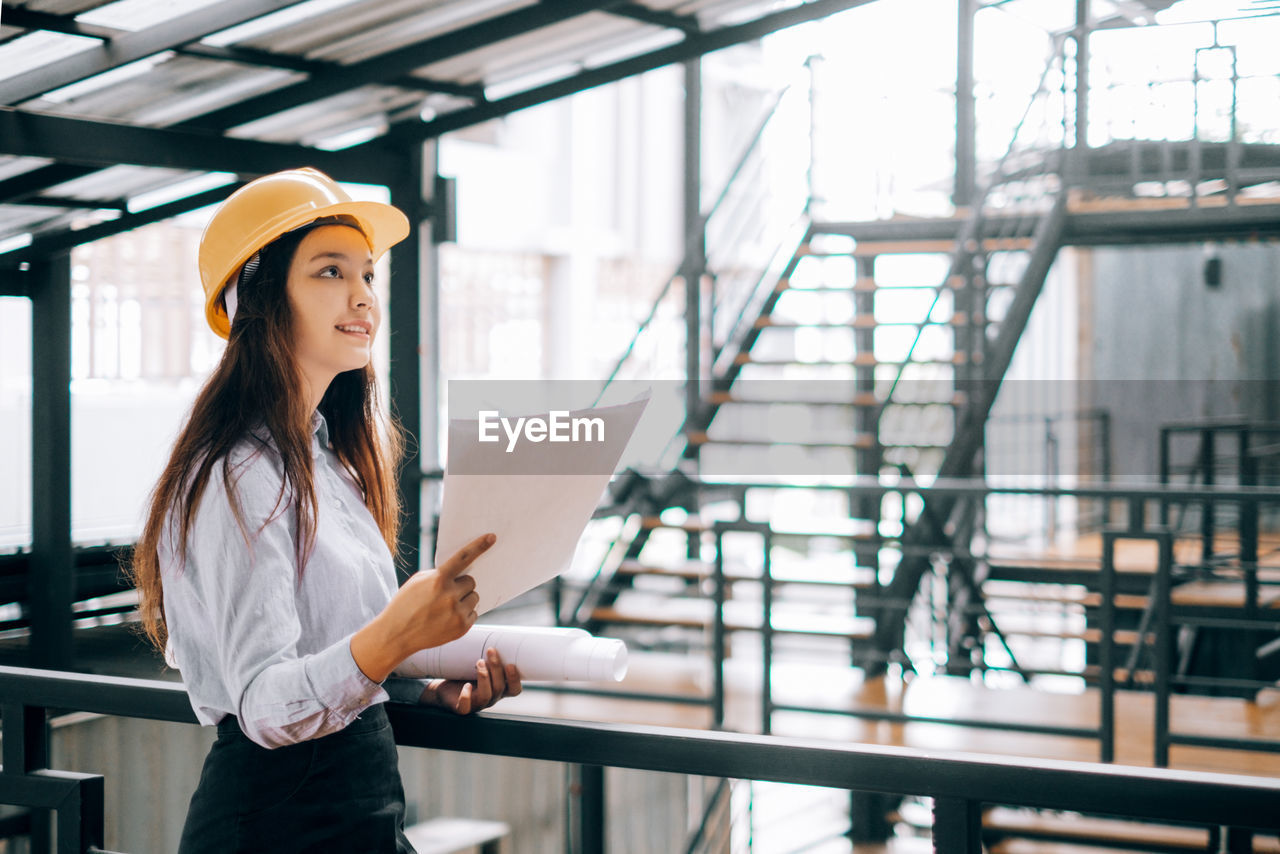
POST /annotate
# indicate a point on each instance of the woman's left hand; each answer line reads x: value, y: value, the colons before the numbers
x: 494, y: 680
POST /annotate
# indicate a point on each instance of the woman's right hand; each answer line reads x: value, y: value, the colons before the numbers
x: 433, y: 607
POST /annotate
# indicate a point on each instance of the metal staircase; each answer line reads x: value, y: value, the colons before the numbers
x: 821, y: 367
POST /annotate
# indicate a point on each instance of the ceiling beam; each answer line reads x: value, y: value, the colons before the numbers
x: 396, y: 62
x: 410, y: 131
x: 93, y: 143
x: 670, y: 20
x: 29, y: 19
x: 130, y: 47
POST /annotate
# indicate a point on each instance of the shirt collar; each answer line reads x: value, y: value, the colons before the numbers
x: 319, y: 433
x: 320, y: 430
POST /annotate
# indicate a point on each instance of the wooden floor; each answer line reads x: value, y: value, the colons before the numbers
x: 1135, y: 556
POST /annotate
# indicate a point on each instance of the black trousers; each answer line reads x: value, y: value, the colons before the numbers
x: 340, y: 793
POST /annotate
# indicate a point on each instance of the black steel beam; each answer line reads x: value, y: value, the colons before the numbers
x: 51, y: 573
x: 966, y: 109
x: 30, y: 19
x: 28, y: 184
x: 414, y: 277
x: 1238, y: 222
x: 27, y: 134
x: 688, y: 48
x: 394, y: 63
x: 131, y: 47
x: 658, y: 17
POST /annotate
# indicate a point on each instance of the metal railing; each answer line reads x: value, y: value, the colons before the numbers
x: 960, y: 784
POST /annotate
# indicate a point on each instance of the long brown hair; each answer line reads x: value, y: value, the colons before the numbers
x: 256, y: 386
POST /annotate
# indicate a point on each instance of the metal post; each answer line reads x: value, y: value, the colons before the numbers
x: 717, y: 636
x: 966, y: 108
x: 591, y: 809
x: 51, y: 570
x: 1106, y: 657
x: 414, y: 321
x: 1208, y: 459
x: 766, y: 637
x: 1104, y: 429
x: 26, y: 749
x: 1164, y: 649
x: 1164, y: 471
x: 1249, y: 527
x: 695, y: 238
x: 957, y: 826
x: 1082, y: 88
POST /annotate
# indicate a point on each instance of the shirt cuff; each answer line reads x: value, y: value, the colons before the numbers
x: 339, y: 683
x: 402, y: 690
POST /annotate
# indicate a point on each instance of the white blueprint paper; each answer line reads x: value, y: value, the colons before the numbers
x: 537, y: 515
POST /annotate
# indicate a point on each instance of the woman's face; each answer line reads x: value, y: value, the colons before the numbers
x: 335, y: 312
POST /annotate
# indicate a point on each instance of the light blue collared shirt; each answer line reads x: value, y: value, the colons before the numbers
x: 249, y: 638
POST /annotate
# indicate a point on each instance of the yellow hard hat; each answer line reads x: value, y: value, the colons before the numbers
x: 270, y: 206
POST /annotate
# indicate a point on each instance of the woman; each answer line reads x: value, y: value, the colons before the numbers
x: 265, y: 567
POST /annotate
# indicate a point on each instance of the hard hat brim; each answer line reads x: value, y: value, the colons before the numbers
x: 382, y: 225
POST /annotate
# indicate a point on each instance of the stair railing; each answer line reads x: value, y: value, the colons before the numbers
x: 694, y: 240
x: 971, y: 233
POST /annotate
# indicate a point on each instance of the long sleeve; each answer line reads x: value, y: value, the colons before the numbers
x: 248, y: 636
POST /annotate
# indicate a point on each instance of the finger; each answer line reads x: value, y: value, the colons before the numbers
x: 456, y: 565
x: 514, y: 686
x: 497, y: 674
x: 470, y: 601
x: 482, y: 696
x: 463, y: 706
x: 465, y: 583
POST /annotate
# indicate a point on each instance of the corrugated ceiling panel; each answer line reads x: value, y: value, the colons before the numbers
x: 120, y: 182
x: 11, y: 166
x: 569, y: 42
x: 414, y: 25
x: 21, y: 219
x: 369, y: 27
x: 36, y: 49
x: 315, y: 122
x: 141, y: 14
x: 721, y: 13
x: 176, y: 89
x: 64, y: 7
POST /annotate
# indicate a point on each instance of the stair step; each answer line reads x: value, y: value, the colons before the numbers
x: 866, y: 284
x: 1009, y: 591
x: 451, y: 835
x: 1122, y: 637
x: 861, y: 441
x: 855, y: 531
x: 864, y: 399
x: 696, y: 570
x: 698, y: 613
x: 933, y: 246
x: 861, y: 360
x: 1076, y: 828
x: 862, y: 322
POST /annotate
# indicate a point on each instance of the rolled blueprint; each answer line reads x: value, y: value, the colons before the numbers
x: 542, y: 654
